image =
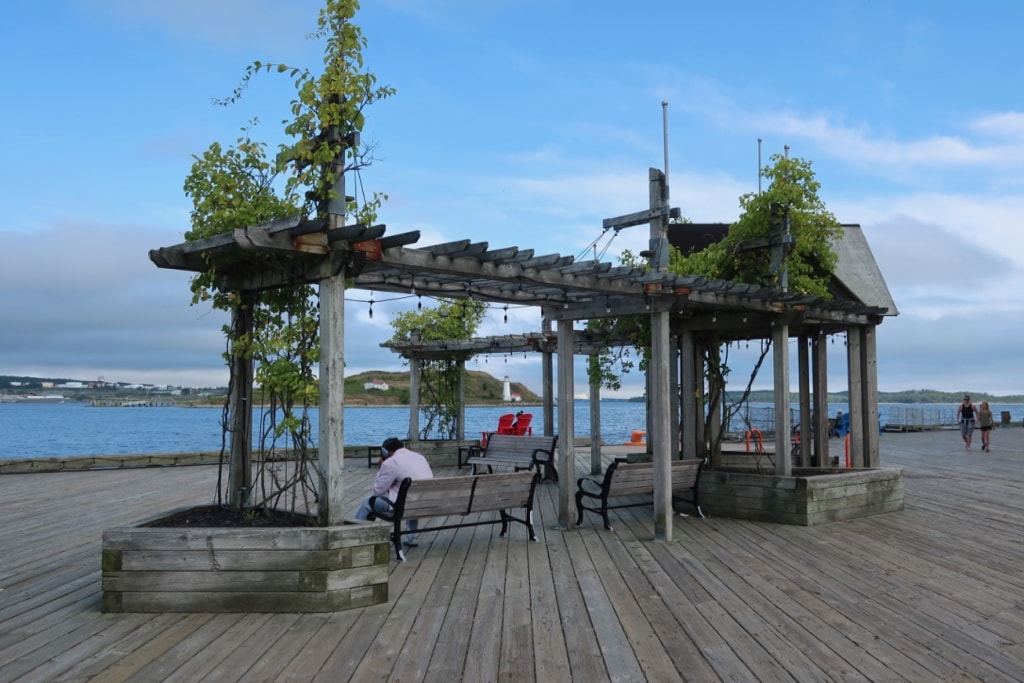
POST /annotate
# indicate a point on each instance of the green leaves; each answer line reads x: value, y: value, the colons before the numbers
x: 236, y: 186
x: 745, y: 255
x: 451, y: 319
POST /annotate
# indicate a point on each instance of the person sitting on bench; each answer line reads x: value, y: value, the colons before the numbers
x: 398, y: 463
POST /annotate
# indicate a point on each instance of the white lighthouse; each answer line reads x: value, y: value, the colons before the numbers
x: 506, y: 391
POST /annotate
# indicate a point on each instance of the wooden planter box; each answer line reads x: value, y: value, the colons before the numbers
x: 270, y: 569
x: 807, y: 498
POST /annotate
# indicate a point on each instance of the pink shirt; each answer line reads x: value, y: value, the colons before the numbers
x: 401, y: 464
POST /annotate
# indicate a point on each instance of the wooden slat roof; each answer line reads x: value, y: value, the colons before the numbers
x: 296, y: 250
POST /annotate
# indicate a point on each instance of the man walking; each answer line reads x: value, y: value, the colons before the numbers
x: 967, y: 416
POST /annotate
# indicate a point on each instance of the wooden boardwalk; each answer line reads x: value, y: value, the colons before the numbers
x: 933, y: 593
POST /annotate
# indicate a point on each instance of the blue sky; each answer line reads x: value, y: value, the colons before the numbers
x: 518, y: 123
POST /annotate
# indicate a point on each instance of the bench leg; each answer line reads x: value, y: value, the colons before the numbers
x: 691, y: 500
x: 526, y: 521
x: 542, y: 468
x: 580, y: 508
x: 396, y: 537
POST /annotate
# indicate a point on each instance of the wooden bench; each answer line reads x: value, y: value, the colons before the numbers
x: 463, y: 496
x: 517, y: 452
x: 624, y: 478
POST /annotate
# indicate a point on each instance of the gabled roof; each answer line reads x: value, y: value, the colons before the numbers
x: 857, y: 275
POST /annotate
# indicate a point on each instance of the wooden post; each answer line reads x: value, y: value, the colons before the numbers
x: 675, y: 445
x: 869, y: 395
x: 331, y: 449
x: 780, y: 348
x: 699, y: 397
x: 460, y: 425
x: 854, y: 370
x: 690, y: 408
x: 548, y: 382
x: 566, y: 428
x: 660, y: 436
x: 804, y: 381
x: 819, y: 373
x: 595, y: 422
x: 332, y: 397
x: 240, y: 407
x: 714, y: 401
x: 414, y: 397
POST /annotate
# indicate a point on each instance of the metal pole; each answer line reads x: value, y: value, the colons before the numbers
x: 664, y: 128
x: 759, y: 165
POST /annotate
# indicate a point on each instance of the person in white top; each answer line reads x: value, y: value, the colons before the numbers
x: 398, y: 463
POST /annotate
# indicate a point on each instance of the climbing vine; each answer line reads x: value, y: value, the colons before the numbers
x: 783, y: 237
x: 240, y: 185
x: 440, y: 379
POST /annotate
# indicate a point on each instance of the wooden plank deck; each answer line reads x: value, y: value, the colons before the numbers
x: 933, y: 593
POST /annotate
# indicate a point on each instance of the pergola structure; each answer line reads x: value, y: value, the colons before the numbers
x: 585, y: 343
x: 680, y: 310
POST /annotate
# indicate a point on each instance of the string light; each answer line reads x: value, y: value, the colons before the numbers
x: 371, y: 306
x: 506, y: 314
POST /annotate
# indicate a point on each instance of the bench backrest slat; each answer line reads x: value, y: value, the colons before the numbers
x: 442, y: 496
x: 503, y: 491
x: 438, y: 496
x: 638, y: 477
x: 511, y: 445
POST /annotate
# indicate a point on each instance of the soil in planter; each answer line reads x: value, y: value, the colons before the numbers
x: 216, y: 516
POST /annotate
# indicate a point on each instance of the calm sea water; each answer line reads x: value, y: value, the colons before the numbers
x: 70, y: 429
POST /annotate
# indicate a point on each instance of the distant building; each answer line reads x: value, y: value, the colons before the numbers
x: 376, y: 385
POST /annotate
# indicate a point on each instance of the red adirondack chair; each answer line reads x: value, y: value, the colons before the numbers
x: 504, y: 427
x: 522, y: 427
x: 505, y: 423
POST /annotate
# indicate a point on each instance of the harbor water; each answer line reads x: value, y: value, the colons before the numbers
x: 31, y: 430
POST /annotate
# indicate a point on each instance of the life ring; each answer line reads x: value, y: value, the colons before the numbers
x: 760, y: 439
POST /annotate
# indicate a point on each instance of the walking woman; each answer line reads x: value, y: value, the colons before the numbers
x: 985, y: 425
